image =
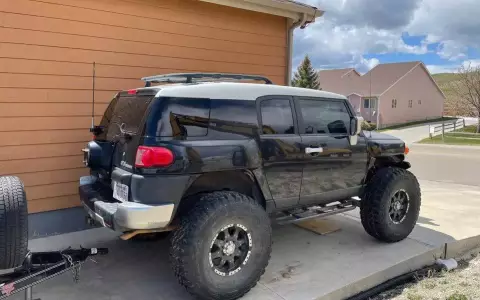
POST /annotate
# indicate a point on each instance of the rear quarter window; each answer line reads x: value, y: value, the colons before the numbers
x: 232, y: 119
x: 178, y: 117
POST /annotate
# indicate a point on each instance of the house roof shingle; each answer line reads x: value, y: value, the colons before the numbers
x: 375, y: 82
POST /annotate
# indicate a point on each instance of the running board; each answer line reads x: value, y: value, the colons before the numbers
x: 301, y: 214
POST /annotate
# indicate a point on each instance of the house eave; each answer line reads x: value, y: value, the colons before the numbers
x: 288, y: 9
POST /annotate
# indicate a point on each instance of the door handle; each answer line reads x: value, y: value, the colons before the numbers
x: 311, y: 150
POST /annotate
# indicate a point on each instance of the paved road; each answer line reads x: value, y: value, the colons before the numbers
x: 416, y: 133
x: 448, y: 164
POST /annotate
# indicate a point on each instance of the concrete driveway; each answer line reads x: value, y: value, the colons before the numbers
x: 416, y: 133
x: 304, y: 265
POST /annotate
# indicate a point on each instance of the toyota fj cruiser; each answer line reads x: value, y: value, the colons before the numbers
x: 212, y: 160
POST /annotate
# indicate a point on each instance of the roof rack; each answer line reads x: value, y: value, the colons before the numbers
x: 197, y: 77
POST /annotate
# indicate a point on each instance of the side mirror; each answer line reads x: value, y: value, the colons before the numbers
x: 356, y: 125
x: 355, y: 129
x: 359, y: 124
x: 353, y: 125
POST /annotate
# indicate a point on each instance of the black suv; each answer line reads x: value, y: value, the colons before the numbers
x: 215, y: 161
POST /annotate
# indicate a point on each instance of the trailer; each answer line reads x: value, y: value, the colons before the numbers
x: 20, y: 269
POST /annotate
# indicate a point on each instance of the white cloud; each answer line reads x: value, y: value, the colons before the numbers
x: 452, y: 23
x: 435, y: 69
x: 453, y: 68
x: 352, y: 28
x: 473, y: 63
x: 452, y: 50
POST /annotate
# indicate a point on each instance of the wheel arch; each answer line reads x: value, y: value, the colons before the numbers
x: 241, y: 181
x: 379, y: 163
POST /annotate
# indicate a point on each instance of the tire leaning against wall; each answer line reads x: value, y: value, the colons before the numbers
x: 13, y: 222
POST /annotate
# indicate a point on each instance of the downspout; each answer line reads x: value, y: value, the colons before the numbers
x: 378, y: 112
x: 292, y: 28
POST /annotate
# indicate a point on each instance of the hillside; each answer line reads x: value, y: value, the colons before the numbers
x: 444, y: 80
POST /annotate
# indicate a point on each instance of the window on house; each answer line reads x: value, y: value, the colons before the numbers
x: 410, y: 103
x: 419, y: 101
x: 394, y: 103
x: 366, y: 103
x: 277, y: 116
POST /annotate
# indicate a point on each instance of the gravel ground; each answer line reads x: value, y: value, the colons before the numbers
x: 460, y: 284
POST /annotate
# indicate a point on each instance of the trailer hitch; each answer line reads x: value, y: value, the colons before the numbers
x: 41, y: 266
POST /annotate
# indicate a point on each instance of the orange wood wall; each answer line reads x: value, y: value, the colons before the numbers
x: 46, y: 52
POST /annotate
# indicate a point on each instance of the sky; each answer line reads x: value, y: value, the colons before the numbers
x: 444, y: 34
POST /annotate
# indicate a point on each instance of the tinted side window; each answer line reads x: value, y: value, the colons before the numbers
x: 232, y: 119
x: 324, y: 116
x: 277, y: 116
x: 179, y: 117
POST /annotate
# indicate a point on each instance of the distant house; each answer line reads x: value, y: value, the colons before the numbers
x: 388, y: 94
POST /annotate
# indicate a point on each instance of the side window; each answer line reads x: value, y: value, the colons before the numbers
x: 366, y: 103
x: 277, y: 116
x: 179, y: 117
x: 325, y: 116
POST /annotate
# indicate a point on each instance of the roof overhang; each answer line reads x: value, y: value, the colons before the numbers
x: 285, y: 8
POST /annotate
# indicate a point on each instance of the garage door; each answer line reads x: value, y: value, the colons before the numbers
x: 46, y: 52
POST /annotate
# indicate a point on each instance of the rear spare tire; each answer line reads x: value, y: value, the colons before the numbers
x: 222, y: 246
x: 13, y: 222
x: 391, y: 204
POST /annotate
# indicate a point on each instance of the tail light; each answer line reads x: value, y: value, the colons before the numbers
x: 153, y: 157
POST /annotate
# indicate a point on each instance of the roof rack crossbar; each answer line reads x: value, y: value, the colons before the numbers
x: 189, y: 77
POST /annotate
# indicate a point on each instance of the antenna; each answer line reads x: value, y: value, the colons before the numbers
x: 93, y: 97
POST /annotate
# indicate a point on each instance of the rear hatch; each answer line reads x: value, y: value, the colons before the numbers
x: 123, y: 125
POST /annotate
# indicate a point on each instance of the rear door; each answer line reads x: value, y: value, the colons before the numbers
x: 332, y: 167
x: 281, y: 149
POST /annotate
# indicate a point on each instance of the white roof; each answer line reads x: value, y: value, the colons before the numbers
x: 238, y: 91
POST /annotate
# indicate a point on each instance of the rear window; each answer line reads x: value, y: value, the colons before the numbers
x: 179, y: 117
x: 125, y: 113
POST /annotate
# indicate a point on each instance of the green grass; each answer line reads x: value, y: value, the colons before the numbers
x: 449, y: 140
x: 456, y: 138
x: 471, y: 129
x: 399, y: 126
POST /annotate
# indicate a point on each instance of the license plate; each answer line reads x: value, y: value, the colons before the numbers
x: 120, y: 191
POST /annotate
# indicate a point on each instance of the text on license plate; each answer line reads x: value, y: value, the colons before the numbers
x: 120, y: 191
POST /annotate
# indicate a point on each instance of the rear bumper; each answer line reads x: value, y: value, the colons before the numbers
x: 122, y: 216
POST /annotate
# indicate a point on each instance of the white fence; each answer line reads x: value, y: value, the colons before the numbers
x: 446, y: 126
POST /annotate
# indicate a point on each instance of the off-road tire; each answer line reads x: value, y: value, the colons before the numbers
x: 13, y: 222
x: 191, y: 243
x: 374, y: 209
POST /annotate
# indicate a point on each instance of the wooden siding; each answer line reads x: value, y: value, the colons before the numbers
x: 46, y: 52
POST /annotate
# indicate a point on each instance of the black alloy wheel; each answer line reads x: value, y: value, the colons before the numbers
x: 399, y: 205
x: 230, y: 249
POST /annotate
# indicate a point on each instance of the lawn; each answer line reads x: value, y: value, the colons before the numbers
x: 456, y: 138
x: 399, y: 126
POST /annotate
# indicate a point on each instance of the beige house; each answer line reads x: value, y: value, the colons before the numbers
x: 388, y: 94
x: 47, y: 49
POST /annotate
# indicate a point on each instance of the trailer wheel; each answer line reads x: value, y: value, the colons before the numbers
x: 222, y: 246
x: 13, y: 222
x: 391, y: 204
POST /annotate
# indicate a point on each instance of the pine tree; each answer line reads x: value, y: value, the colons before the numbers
x: 306, y: 76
